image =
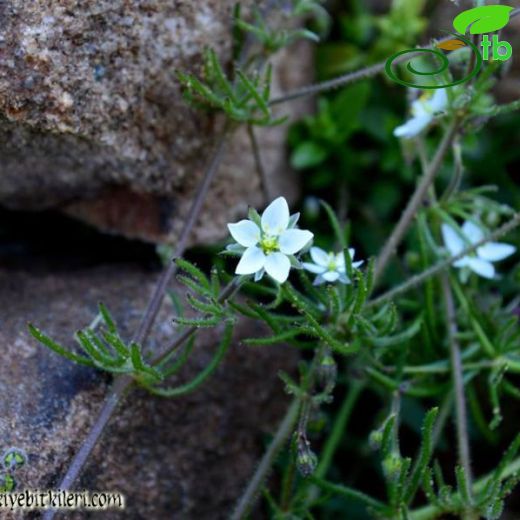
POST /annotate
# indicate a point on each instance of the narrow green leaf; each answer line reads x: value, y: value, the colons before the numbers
x: 58, y: 349
x: 107, y: 318
x: 335, y: 224
x: 423, y: 459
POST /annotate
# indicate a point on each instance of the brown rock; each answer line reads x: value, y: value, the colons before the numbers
x: 92, y: 119
x: 182, y: 458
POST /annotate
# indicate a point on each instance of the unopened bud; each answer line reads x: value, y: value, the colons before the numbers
x: 392, y: 467
x: 327, y: 371
x: 375, y: 440
x: 306, y: 459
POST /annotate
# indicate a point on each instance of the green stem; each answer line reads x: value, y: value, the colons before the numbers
x: 349, y: 493
x: 201, y: 377
x: 338, y: 430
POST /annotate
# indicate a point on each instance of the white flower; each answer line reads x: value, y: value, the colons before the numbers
x: 423, y: 112
x: 481, y: 261
x: 330, y: 267
x: 268, y: 245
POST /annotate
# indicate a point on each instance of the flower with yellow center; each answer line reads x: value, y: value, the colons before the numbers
x: 268, y: 243
x: 330, y: 267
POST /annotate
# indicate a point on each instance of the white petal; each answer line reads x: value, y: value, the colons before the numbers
x: 314, y: 268
x: 481, y: 267
x: 421, y: 108
x: 275, y: 218
x: 472, y: 232
x: 245, y: 232
x: 293, y: 240
x: 439, y: 101
x: 463, y: 262
x: 319, y: 280
x: 330, y: 276
x: 293, y: 220
x: 413, y: 127
x: 252, y: 261
x: 352, y: 253
x: 452, y: 240
x: 278, y: 266
x: 259, y: 275
x: 494, y: 251
x: 319, y: 256
x: 344, y: 279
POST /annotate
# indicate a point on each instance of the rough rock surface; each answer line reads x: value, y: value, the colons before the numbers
x: 92, y: 119
x: 185, y: 458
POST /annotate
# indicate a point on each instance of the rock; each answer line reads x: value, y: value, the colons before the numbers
x: 183, y: 458
x: 92, y: 119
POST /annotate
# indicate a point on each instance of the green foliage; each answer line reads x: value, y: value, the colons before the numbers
x: 105, y: 349
x: 244, y: 94
x: 273, y: 39
x: 244, y: 99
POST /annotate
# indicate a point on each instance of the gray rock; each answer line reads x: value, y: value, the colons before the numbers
x: 184, y: 458
x: 92, y: 119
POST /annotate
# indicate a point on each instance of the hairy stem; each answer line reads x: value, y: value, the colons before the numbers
x: 253, y: 488
x: 338, y: 430
x: 352, y: 77
x: 123, y: 383
x: 461, y: 420
x: 264, y: 181
x: 415, y: 202
x: 157, y: 297
x: 118, y: 390
x: 419, y: 279
x: 336, y: 436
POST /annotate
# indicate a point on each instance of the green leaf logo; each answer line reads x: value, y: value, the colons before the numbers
x: 481, y: 20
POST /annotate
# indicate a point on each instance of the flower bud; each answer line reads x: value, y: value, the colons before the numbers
x: 392, y: 467
x: 375, y: 440
x: 327, y: 371
x: 306, y: 459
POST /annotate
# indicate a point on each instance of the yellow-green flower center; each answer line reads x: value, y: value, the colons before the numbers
x: 269, y: 244
x: 332, y: 265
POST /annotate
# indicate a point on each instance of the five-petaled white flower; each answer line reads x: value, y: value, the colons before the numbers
x: 423, y: 112
x: 270, y: 243
x: 481, y: 261
x: 330, y: 267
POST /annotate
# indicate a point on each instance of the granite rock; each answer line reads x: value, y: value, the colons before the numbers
x: 92, y: 119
